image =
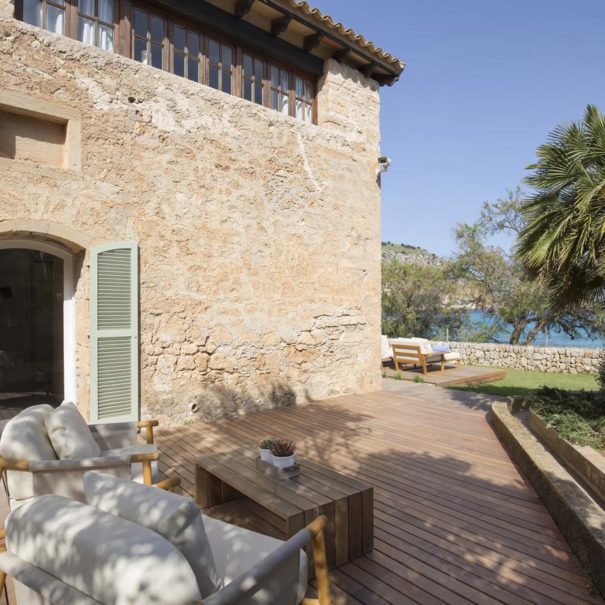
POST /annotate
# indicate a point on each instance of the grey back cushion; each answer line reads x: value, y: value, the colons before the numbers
x: 69, y: 433
x: 176, y: 518
x: 24, y: 437
x: 108, y: 558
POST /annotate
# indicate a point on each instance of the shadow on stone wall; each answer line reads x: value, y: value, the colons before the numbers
x: 201, y: 403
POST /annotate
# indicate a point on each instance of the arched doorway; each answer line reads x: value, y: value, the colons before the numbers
x: 36, y: 323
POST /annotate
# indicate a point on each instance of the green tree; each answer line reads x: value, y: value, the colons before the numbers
x: 563, y: 240
x: 416, y: 301
x: 498, y: 284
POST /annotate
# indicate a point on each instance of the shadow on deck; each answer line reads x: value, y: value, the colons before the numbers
x: 455, y: 522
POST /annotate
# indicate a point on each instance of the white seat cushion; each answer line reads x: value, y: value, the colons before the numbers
x: 24, y: 437
x: 236, y: 550
x: 452, y: 356
x: 387, y: 352
x: 69, y: 433
x: 106, y: 557
x: 176, y: 518
x: 423, y: 343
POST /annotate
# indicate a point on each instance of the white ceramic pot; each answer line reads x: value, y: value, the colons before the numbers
x: 284, y: 461
x: 266, y: 455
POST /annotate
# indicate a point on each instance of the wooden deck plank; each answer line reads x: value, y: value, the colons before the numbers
x: 454, y: 520
x: 452, y: 375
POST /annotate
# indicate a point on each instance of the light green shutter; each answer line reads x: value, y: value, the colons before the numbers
x: 114, y: 342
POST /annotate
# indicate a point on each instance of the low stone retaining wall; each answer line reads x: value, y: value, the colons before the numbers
x: 565, y: 360
x: 584, y: 461
x: 579, y: 518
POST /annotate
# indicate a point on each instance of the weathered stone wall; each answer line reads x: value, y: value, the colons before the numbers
x: 565, y: 360
x: 259, y: 235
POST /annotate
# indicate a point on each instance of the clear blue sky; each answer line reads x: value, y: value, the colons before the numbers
x: 484, y: 83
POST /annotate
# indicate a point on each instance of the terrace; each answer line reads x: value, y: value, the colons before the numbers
x: 455, y: 522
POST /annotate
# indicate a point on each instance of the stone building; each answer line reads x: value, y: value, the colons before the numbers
x: 189, y: 205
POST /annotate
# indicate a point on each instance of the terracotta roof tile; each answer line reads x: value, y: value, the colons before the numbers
x: 327, y: 21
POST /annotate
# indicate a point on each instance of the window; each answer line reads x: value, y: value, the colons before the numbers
x: 152, y: 36
x: 95, y: 23
x: 304, y: 94
x: 220, y: 57
x: 186, y: 57
x: 148, y: 38
x: 45, y: 13
x: 253, y: 74
x: 280, y: 89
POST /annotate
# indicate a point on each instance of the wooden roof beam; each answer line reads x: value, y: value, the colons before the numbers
x: 312, y: 41
x: 342, y: 56
x: 368, y: 70
x: 280, y: 25
x: 242, y: 8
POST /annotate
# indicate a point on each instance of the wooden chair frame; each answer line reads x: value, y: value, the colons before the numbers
x: 148, y: 426
x: 7, y: 464
x: 409, y: 354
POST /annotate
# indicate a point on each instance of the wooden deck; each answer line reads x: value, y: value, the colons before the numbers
x: 454, y: 521
x: 461, y: 375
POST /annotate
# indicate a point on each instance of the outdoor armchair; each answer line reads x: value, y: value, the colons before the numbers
x: 47, y: 451
x: 134, y: 544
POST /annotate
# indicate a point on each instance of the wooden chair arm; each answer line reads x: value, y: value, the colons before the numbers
x: 148, y: 426
x: 9, y: 464
x: 169, y: 484
x: 316, y: 528
x: 146, y: 460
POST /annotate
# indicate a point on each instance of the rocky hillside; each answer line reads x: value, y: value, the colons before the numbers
x: 411, y: 255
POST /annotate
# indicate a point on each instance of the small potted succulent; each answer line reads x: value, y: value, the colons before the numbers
x: 264, y: 449
x: 283, y: 453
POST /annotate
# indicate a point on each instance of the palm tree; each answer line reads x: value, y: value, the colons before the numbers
x: 563, y: 241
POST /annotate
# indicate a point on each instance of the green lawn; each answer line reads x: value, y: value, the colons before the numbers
x: 521, y: 382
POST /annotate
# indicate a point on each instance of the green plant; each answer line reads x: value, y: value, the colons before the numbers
x: 398, y: 376
x: 418, y: 379
x: 563, y: 242
x: 266, y: 443
x: 282, y: 448
x: 577, y: 416
x: 384, y: 374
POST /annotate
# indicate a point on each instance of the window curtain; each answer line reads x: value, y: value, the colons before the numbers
x: 86, y: 31
x: 106, y: 38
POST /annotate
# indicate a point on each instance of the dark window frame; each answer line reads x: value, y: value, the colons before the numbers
x: 124, y: 40
x: 65, y: 7
x: 150, y: 43
x: 75, y: 11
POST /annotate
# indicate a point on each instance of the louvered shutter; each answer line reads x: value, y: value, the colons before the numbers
x: 114, y: 350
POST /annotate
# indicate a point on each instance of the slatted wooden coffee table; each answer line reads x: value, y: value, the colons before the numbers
x: 288, y: 505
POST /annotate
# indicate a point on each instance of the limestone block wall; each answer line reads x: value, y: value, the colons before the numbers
x: 259, y: 235
x: 565, y: 360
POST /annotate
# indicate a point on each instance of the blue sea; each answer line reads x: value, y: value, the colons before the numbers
x: 554, y: 338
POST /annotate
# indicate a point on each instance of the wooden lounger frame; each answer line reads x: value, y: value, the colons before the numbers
x: 409, y: 354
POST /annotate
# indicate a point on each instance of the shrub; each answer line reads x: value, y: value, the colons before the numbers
x: 577, y: 416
